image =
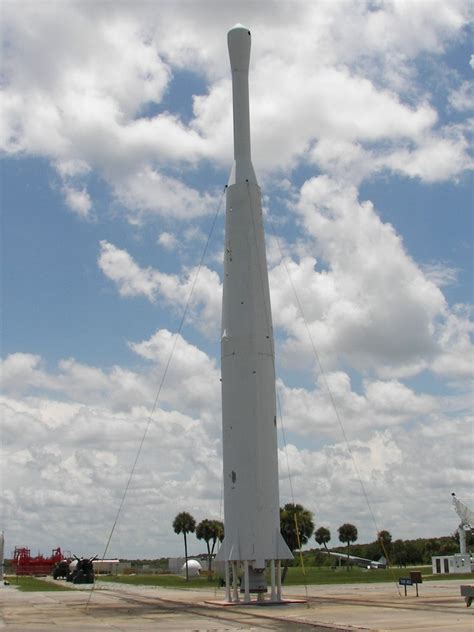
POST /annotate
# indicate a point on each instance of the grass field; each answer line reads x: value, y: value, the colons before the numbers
x: 33, y: 584
x: 295, y: 576
x: 166, y: 581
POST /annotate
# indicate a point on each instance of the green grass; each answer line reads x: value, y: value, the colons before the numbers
x: 325, y: 575
x: 33, y: 584
x: 165, y: 581
x: 312, y: 576
x: 295, y: 577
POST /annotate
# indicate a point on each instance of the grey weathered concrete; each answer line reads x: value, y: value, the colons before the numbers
x: 337, y: 607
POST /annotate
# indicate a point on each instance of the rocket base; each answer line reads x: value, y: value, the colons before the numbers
x: 265, y: 602
x: 253, y: 581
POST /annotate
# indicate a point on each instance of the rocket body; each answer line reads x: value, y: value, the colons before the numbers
x: 250, y: 451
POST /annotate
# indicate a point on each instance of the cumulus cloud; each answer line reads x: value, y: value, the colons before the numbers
x: 457, y: 356
x: 167, y: 241
x: 438, y: 157
x: 83, y: 464
x: 131, y: 280
x: 367, y: 301
x: 200, y: 289
x: 388, y: 460
x: 78, y: 201
x: 196, y: 373
x: 333, y: 409
x: 92, y: 103
x: 348, y: 82
x: 462, y: 99
x: 367, y: 304
x: 81, y: 448
x: 84, y: 426
x: 148, y: 191
x: 192, y: 378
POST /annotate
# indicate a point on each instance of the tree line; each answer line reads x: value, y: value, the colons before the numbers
x: 208, y: 530
x: 298, y: 527
x: 296, y: 524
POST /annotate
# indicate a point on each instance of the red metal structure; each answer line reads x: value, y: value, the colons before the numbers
x: 24, y: 564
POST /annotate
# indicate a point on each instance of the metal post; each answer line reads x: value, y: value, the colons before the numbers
x: 246, y: 580
x: 278, y: 580
x: 2, y: 550
x: 272, y: 576
x: 227, y: 582
x: 235, y: 578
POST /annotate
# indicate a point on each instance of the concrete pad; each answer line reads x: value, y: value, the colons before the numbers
x: 118, y: 607
x: 254, y: 602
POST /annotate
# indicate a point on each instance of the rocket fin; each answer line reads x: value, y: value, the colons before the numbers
x: 220, y: 555
x: 233, y: 552
x: 229, y: 552
x: 283, y: 552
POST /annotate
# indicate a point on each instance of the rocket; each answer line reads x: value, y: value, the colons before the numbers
x: 250, y: 452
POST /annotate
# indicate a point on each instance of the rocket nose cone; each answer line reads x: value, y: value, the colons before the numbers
x: 238, y: 41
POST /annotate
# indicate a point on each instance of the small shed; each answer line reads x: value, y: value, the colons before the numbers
x: 458, y: 563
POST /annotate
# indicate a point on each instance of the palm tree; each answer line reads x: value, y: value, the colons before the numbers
x: 348, y: 533
x: 291, y: 517
x: 184, y: 523
x: 210, y: 530
x: 385, y: 540
x: 322, y: 536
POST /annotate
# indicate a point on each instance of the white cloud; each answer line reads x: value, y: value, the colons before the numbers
x: 78, y: 201
x: 335, y: 87
x: 349, y: 80
x: 200, y: 289
x: 82, y: 452
x: 196, y: 374
x: 437, y: 158
x: 440, y: 273
x: 456, y: 359
x: 88, y: 469
x: 398, y: 478
x: 84, y: 426
x: 333, y: 408
x: 192, y: 380
x: 148, y: 191
x: 17, y: 368
x: 370, y: 304
x: 462, y: 99
x: 131, y: 280
x: 168, y: 241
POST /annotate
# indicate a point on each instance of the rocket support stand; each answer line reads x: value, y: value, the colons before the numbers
x: 232, y: 585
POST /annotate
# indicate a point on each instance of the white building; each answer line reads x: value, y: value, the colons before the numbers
x: 452, y: 564
x: 106, y: 567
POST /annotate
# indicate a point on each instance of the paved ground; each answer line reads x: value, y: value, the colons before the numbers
x: 122, y: 608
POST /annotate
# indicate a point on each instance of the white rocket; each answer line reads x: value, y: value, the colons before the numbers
x: 251, y: 496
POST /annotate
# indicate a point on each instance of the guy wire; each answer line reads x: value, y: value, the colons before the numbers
x: 160, y: 387
x: 270, y: 327
x: 333, y: 403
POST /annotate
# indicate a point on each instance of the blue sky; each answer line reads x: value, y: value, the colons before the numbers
x: 116, y: 139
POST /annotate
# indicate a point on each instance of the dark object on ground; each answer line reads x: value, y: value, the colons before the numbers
x: 467, y: 591
x: 83, y: 573
x: 61, y: 570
